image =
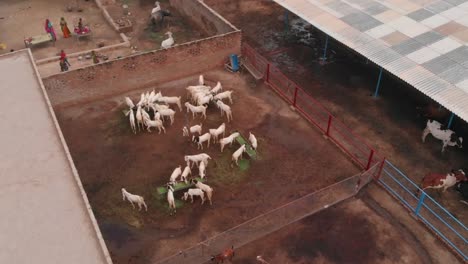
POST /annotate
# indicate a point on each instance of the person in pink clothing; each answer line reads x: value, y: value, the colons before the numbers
x: 50, y: 29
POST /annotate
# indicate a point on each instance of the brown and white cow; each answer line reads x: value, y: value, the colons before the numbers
x: 439, y: 181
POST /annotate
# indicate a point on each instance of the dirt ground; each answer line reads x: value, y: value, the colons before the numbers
x: 108, y: 157
x: 142, y: 36
x: 20, y: 19
x: 389, y: 123
x: 350, y: 232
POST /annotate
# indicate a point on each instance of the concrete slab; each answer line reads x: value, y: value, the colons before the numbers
x: 46, y: 217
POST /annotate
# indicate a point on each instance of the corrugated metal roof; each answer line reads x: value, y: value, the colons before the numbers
x: 424, y: 43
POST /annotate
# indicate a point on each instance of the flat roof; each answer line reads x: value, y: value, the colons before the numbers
x: 422, y: 42
x: 46, y: 217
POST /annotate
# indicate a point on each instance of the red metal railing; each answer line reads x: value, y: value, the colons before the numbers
x: 313, y: 110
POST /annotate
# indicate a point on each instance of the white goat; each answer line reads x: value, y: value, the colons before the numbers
x: 204, y: 187
x: 196, y: 129
x: 159, y: 107
x: 175, y: 174
x: 168, y: 112
x: 253, y: 140
x: 133, y: 198
x: 195, y: 159
x: 205, y: 99
x: 185, y: 132
x: 448, y: 137
x: 196, y: 109
x: 200, y: 139
x: 157, y: 123
x: 228, y: 140
x: 202, y: 170
x: 201, y: 80
x: 218, y: 131
x: 217, y: 88
x: 129, y: 102
x: 171, y: 100
x: 224, y: 95
x: 139, y: 118
x: 238, y: 153
x: 132, y: 121
x: 194, y: 192
x: 170, y: 198
x: 185, y: 173
x: 225, y: 109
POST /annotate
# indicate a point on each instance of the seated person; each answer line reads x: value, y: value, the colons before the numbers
x: 81, y: 29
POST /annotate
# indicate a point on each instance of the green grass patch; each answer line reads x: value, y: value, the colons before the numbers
x: 223, y: 173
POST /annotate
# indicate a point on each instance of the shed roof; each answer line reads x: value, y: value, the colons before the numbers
x: 423, y: 42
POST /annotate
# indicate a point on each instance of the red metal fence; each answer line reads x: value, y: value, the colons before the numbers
x: 434, y: 216
x: 312, y: 110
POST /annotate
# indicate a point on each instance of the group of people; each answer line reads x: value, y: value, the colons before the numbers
x: 49, y: 28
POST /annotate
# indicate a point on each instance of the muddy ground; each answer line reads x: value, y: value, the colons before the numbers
x: 294, y: 160
x: 390, y: 123
x: 350, y: 232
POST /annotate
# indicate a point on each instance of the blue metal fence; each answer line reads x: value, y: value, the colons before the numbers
x: 431, y: 213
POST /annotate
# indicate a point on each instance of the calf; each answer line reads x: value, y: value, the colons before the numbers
x: 438, y: 181
x: 448, y: 137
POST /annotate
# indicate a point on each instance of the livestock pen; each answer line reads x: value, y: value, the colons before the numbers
x: 444, y: 225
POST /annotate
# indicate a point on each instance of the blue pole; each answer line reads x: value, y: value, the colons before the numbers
x: 286, y: 20
x: 450, y: 120
x: 324, y: 58
x: 378, y: 83
x: 420, y: 202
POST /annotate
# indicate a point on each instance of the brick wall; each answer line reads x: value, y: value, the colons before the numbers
x: 142, y: 70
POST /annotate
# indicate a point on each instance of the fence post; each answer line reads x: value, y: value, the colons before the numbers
x: 370, y: 159
x: 420, y: 202
x: 267, y: 73
x: 329, y: 125
x: 380, y: 169
x: 295, y: 97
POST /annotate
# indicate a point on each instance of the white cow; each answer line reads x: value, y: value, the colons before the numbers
x: 448, y: 137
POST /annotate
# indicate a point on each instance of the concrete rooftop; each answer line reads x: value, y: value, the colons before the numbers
x: 46, y: 217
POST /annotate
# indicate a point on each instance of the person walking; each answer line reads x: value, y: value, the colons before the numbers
x: 50, y: 29
x: 64, y: 27
x: 63, y: 65
x: 63, y: 56
x: 95, y: 57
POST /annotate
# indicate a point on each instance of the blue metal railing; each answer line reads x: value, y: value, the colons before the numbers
x: 443, y: 223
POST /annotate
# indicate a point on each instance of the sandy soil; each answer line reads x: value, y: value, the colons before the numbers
x: 108, y: 157
x: 389, y: 123
x: 26, y: 18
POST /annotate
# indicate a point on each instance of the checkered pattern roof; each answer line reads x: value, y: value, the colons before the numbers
x: 423, y: 42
